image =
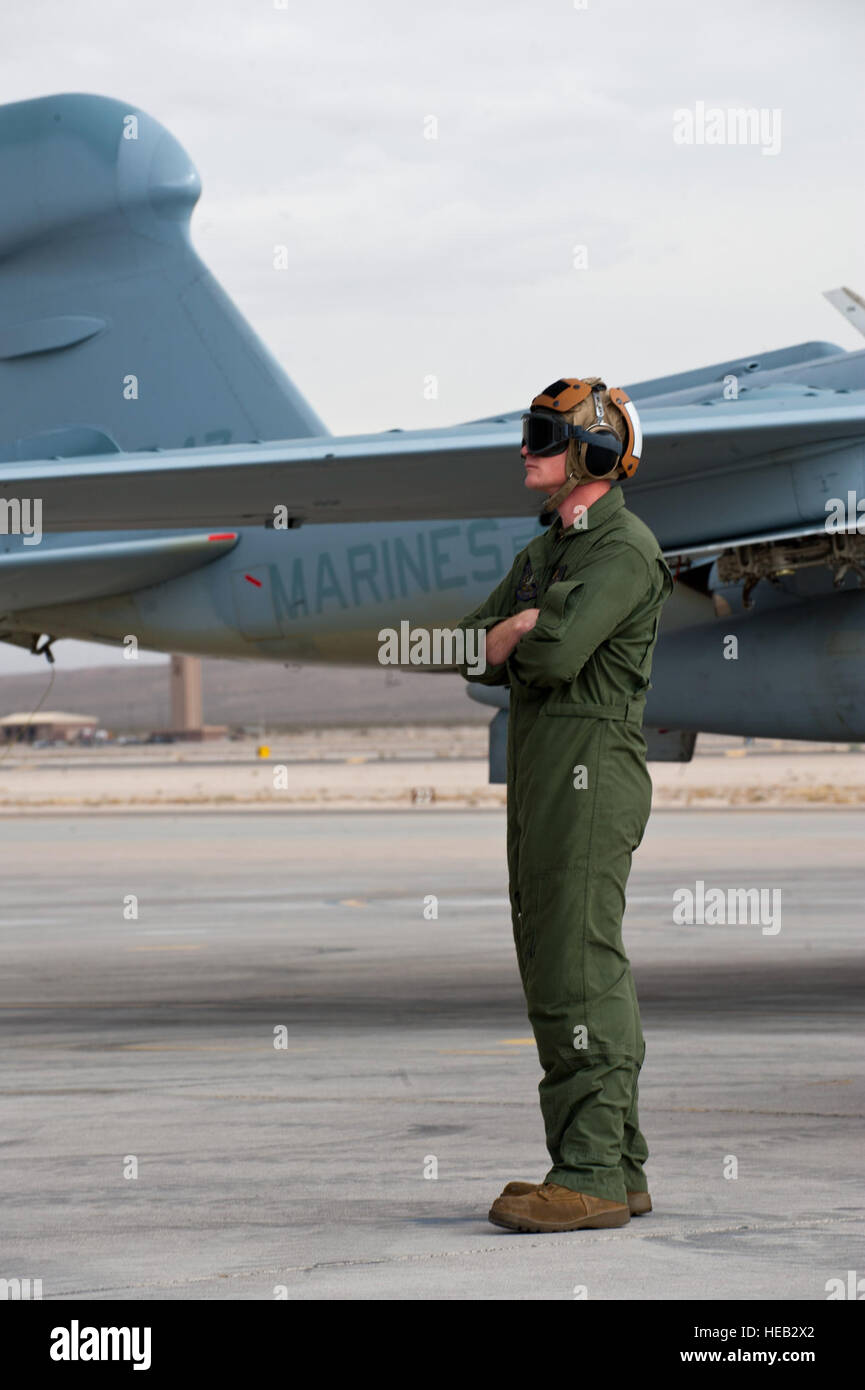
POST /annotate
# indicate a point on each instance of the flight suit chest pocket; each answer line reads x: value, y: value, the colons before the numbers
x: 558, y: 601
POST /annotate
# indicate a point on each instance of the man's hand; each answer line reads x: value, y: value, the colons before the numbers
x: 503, y: 638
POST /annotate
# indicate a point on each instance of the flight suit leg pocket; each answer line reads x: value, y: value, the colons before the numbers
x: 554, y: 978
x: 553, y: 935
x: 522, y: 920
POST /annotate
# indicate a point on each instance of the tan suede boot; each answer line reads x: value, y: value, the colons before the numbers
x: 639, y: 1203
x: 550, y: 1207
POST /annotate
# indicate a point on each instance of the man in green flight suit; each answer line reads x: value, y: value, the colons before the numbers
x: 571, y: 631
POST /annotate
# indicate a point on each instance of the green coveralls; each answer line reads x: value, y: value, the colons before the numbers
x: 579, y: 796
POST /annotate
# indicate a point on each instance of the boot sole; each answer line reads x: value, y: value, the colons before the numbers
x: 600, y: 1221
x: 639, y: 1203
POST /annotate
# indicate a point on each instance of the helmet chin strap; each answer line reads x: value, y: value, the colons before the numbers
x: 551, y: 504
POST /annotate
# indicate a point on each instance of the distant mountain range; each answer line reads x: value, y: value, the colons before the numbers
x: 126, y: 696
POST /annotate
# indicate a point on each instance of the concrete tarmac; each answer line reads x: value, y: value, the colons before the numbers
x: 246, y: 1088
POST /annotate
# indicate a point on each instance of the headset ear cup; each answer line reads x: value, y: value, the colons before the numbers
x: 615, y: 461
x: 633, y: 444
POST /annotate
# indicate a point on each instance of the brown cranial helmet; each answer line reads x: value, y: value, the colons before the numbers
x: 591, y: 409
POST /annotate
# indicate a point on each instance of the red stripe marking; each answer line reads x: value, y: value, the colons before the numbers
x: 224, y: 536
x: 256, y: 582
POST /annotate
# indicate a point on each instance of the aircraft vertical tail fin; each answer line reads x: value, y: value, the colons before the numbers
x: 113, y: 334
x: 850, y: 304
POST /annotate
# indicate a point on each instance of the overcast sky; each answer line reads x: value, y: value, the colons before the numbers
x: 454, y: 256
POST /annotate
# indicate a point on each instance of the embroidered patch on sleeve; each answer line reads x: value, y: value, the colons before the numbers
x: 527, y: 587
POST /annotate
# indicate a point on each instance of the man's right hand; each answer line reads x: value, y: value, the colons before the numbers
x: 503, y: 638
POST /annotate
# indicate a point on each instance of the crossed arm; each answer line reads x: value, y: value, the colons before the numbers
x: 503, y: 638
x: 548, y: 646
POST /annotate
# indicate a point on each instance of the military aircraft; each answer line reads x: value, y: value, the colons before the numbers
x: 189, y: 496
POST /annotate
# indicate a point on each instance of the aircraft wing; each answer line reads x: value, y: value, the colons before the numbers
x: 704, y: 468
x: 133, y: 395
x: 45, y: 574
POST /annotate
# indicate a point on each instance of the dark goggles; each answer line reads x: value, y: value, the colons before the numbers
x: 546, y: 434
